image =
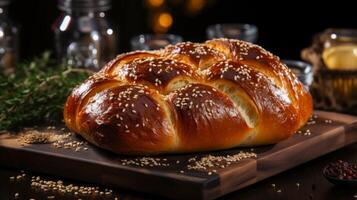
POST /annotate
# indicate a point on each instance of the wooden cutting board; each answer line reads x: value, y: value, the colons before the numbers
x: 327, y: 132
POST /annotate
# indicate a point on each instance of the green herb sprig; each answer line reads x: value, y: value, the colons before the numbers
x: 36, y: 92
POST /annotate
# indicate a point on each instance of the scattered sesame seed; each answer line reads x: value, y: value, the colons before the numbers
x: 211, y: 161
x: 146, y: 161
x: 328, y: 121
x: 59, y: 186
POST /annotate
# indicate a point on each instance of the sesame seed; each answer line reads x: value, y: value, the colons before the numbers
x: 146, y: 161
x: 210, y: 161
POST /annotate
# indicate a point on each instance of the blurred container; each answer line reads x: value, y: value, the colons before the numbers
x: 153, y: 41
x: 334, y: 58
x: 302, y: 70
x: 246, y: 32
x: 9, y: 38
x: 84, y: 35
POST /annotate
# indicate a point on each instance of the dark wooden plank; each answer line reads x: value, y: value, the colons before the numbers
x: 98, y: 166
x: 231, y: 178
x: 296, y: 152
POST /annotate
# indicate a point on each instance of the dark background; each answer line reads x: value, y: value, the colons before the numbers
x: 284, y: 28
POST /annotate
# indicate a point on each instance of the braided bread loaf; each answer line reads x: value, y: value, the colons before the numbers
x: 189, y: 97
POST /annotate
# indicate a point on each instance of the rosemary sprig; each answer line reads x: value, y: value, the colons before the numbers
x: 37, y: 92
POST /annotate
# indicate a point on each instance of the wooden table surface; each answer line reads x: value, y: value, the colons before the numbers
x: 312, y: 184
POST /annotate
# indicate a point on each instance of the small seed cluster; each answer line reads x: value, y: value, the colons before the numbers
x: 275, y: 188
x: 31, y: 136
x: 328, y: 121
x: 132, y: 100
x: 18, y: 177
x: 194, y: 50
x: 210, y: 161
x: 306, y: 132
x: 146, y: 162
x: 58, y: 186
x: 158, y: 68
x: 244, y: 51
x: 50, y: 136
x: 191, y: 96
x: 69, y: 143
x: 312, y: 120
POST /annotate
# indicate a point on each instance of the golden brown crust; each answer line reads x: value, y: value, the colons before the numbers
x: 130, y: 116
x: 273, y: 103
x: 80, y: 95
x: 205, y: 115
x: 157, y: 72
x: 194, y: 54
x: 189, y: 97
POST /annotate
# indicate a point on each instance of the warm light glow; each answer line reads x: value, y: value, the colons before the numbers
x: 155, y: 3
x: 194, y: 6
x: 162, y: 22
x: 165, y: 20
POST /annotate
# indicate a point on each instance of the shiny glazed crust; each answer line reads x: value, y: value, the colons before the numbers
x: 189, y: 97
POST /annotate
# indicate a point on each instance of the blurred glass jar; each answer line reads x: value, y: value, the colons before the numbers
x: 302, y: 70
x: 340, y: 49
x: 246, y: 32
x: 153, y: 41
x: 334, y: 58
x: 9, y: 37
x: 84, y: 36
